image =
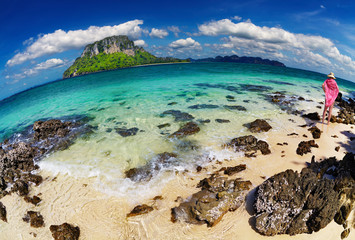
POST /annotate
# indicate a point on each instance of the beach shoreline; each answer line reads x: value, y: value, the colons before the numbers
x: 78, y: 201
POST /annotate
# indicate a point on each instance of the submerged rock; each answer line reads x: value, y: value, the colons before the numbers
x: 34, y: 218
x: 189, y: 128
x: 259, y: 125
x: 179, y: 116
x: 203, y: 106
x: 316, y: 132
x: 3, y: 212
x: 146, y: 172
x: 218, y: 196
x: 305, y: 147
x: 65, y: 232
x: 139, y: 210
x: 249, y: 143
x: 222, y: 120
x: 124, y: 132
x: 235, y: 107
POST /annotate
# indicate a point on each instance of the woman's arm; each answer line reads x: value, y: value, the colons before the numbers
x: 323, y: 87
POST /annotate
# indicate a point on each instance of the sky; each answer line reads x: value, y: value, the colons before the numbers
x: 39, y: 40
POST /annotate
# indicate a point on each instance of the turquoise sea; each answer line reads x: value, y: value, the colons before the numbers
x: 138, y: 97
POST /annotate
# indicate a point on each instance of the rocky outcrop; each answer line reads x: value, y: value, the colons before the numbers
x: 65, y: 232
x: 34, y: 218
x: 316, y: 132
x: 294, y: 203
x: 139, y: 210
x: 312, y: 116
x: 259, y: 125
x: 126, y: 132
x: 346, y: 113
x: 189, y: 128
x: 305, y: 147
x: 250, y: 145
x: 3, y: 212
x: 236, y: 59
x: 218, y: 195
x: 146, y: 172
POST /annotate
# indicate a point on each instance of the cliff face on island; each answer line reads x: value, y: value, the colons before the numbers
x: 112, y: 53
x: 236, y: 59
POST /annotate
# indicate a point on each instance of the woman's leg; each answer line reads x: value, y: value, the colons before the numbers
x: 324, y: 111
x: 330, y: 112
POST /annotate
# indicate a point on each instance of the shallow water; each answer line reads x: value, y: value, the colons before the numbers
x: 137, y: 98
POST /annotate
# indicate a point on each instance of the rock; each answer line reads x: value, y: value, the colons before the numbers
x: 313, y: 116
x: 342, y: 215
x: 21, y: 187
x: 230, y: 97
x: 337, y: 148
x: 294, y: 203
x: 179, y: 116
x: 249, y: 143
x: 235, y: 107
x: 3, y: 212
x: 164, y: 125
x: 204, y: 121
x: 146, y: 172
x: 218, y: 196
x: 189, y: 128
x: 34, y: 218
x: 203, y: 106
x: 20, y: 156
x: 345, y: 233
x: 172, y: 103
x: 50, y: 128
x: 65, y: 232
x: 233, y: 170
x: 34, y: 200
x: 29, y: 177
x: 139, y: 210
x: 222, y: 120
x: 198, y: 169
x: 259, y: 125
x: 127, y: 132
x: 305, y: 147
x: 316, y: 132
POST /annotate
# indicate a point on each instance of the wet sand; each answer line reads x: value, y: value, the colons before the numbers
x: 100, y: 216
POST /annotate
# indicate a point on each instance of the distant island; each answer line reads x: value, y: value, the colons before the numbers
x: 112, y: 53
x: 236, y: 59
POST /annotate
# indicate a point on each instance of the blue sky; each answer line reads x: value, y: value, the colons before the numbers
x: 40, y: 39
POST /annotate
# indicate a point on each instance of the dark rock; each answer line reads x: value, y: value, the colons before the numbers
x: 34, y: 200
x: 29, y: 177
x: 305, y: 147
x: 139, y: 210
x: 3, y: 212
x: 345, y: 233
x: 316, y: 132
x: 179, y: 116
x: 313, y: 116
x: 172, y: 103
x: 233, y: 170
x: 204, y: 121
x: 21, y: 187
x: 222, y: 120
x: 189, y: 128
x: 146, y: 172
x: 65, y: 232
x: 127, y: 132
x: 164, y: 125
x: 337, y: 148
x: 230, y: 97
x: 203, y: 106
x: 342, y: 215
x: 235, y: 107
x: 249, y: 143
x: 34, y: 218
x: 294, y: 203
x: 218, y: 196
x: 50, y: 128
x: 292, y: 134
x: 198, y: 168
x: 259, y: 125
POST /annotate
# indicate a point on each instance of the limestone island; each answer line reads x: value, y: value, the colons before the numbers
x: 112, y: 53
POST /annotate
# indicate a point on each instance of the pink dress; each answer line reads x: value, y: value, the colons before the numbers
x: 331, y: 91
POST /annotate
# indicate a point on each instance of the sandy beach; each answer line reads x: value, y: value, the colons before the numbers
x: 99, y: 215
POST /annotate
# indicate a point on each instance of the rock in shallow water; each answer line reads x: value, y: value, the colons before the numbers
x: 189, y: 128
x: 218, y: 196
x: 65, y: 232
x: 259, y: 125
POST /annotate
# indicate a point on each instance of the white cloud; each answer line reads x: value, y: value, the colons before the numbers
x: 237, y: 18
x: 48, y: 64
x: 140, y: 43
x: 158, y: 33
x: 314, y: 50
x: 61, y: 41
x: 176, y: 30
x: 185, y: 43
x: 322, y: 6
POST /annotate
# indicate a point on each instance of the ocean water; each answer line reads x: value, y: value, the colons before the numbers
x: 137, y: 98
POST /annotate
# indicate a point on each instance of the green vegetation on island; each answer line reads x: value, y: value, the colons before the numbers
x: 113, y: 53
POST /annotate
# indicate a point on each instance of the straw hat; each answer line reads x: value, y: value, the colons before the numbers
x: 331, y: 75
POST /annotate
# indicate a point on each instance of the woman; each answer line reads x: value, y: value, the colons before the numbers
x: 331, y: 91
